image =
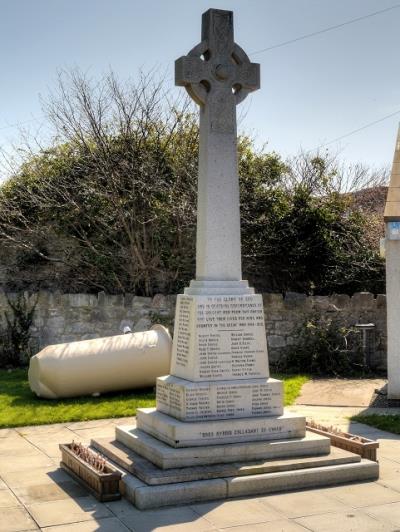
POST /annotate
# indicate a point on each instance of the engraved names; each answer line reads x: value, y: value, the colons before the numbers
x: 220, y: 338
x: 221, y: 400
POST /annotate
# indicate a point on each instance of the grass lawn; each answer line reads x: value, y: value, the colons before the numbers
x: 20, y: 407
x: 389, y: 422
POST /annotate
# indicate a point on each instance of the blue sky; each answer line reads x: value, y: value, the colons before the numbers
x: 312, y: 91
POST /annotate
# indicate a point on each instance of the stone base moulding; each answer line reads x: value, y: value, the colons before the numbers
x: 192, y: 434
x: 202, y: 401
x: 166, y: 457
x: 151, y: 474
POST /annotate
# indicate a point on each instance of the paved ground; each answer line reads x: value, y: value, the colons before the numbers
x: 340, y: 392
x: 36, y: 495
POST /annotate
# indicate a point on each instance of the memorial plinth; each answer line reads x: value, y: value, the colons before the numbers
x: 219, y: 405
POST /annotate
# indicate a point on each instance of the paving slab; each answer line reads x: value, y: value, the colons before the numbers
x: 97, y: 432
x: 271, y: 526
x: 6, y: 433
x: 303, y: 503
x: 364, y: 494
x: 389, y: 513
x: 15, y: 520
x: 179, y: 519
x: 238, y: 512
x: 8, y: 499
x: 9, y: 463
x: 49, y: 492
x: 388, y: 469
x: 108, y: 524
x: 16, y: 446
x: 40, y: 429
x: 35, y: 476
x: 348, y: 521
x: 67, y: 511
x: 340, y: 392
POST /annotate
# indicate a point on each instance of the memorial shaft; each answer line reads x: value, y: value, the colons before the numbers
x: 218, y: 75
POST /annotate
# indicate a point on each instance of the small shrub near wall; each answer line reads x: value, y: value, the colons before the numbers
x: 325, y: 347
x: 16, y: 345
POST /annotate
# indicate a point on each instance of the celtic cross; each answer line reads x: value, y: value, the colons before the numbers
x: 218, y: 75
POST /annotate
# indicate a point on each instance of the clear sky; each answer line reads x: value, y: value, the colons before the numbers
x: 313, y: 90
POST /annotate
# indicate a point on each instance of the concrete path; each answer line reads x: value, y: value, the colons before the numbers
x: 36, y: 495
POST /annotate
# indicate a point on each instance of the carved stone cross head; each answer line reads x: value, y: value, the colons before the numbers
x: 217, y: 65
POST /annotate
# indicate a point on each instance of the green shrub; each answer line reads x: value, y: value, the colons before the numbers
x: 325, y: 347
x: 15, y: 338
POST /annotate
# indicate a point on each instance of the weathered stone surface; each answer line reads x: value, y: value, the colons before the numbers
x: 219, y: 338
x: 167, y: 457
x: 191, y: 401
x: 149, y: 473
x: 305, y: 478
x: 364, y: 300
x: 147, y: 497
x: 186, y: 434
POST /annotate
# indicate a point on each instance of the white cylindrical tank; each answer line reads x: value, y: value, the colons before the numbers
x: 101, y: 365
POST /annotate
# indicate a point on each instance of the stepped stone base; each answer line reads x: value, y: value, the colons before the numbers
x: 166, y: 457
x: 191, y: 434
x: 202, y: 401
x: 146, y: 497
x: 149, y: 473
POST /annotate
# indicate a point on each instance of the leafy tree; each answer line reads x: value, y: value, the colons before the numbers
x: 111, y: 205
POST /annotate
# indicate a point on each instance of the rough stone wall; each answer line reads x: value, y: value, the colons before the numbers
x: 284, y: 316
x: 68, y: 317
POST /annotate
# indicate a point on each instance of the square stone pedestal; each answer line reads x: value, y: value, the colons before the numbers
x: 203, y: 401
x: 219, y: 337
x: 192, y: 434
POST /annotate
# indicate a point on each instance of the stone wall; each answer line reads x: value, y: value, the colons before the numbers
x: 67, y: 317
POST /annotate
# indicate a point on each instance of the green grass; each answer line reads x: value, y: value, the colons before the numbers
x: 292, y: 386
x: 20, y: 407
x: 390, y: 422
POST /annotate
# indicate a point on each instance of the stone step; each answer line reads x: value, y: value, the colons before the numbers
x: 167, y: 457
x: 153, y: 475
x: 198, y: 433
x: 145, y: 497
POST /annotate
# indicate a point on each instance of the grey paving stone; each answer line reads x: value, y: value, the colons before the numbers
x: 271, y: 526
x: 10, y: 463
x: 8, y: 500
x: 49, y: 492
x: 349, y: 521
x: 67, y: 511
x: 35, y: 476
x: 302, y: 503
x: 180, y: 519
x: 389, y: 513
x: 225, y: 514
x: 108, y: 524
x: 15, y: 520
x: 364, y: 494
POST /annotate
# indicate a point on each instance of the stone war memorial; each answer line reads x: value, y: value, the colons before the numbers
x: 219, y: 429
